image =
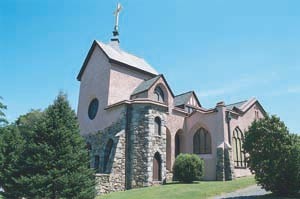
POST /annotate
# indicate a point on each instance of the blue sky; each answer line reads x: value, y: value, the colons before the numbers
x: 224, y: 50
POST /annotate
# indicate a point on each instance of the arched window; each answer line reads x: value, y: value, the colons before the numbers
x: 96, y: 163
x: 238, y: 151
x: 157, y: 126
x: 157, y: 167
x: 159, y: 94
x: 202, y: 142
x: 168, y: 150
x: 177, y: 143
x: 107, y: 153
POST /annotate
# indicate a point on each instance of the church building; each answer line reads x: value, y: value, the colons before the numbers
x: 135, y: 126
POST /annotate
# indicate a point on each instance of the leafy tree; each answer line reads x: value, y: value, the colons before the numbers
x: 3, y: 120
x: 188, y: 168
x: 29, y: 121
x: 274, y: 156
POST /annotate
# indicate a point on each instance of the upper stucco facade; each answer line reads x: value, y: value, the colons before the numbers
x: 135, y: 125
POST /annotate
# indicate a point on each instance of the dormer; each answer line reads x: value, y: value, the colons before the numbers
x: 155, y: 89
x: 187, y: 101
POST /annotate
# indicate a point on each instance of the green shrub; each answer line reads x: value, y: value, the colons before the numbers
x: 188, y: 168
x: 274, y: 156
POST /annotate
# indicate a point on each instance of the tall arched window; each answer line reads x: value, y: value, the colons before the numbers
x: 159, y: 94
x: 177, y: 143
x: 107, y: 153
x: 157, y: 167
x: 238, y: 151
x: 202, y: 142
x: 157, y: 126
x: 96, y: 163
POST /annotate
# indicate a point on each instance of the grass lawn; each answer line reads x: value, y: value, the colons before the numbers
x: 197, y: 190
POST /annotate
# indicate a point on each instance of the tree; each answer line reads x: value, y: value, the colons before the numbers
x: 11, y: 145
x: 274, y: 156
x: 3, y: 120
x: 54, y: 159
x: 188, y: 168
x: 52, y: 162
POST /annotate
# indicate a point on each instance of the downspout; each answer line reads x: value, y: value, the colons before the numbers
x: 228, y: 118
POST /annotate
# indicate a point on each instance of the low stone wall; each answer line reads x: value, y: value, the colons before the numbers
x: 103, y: 185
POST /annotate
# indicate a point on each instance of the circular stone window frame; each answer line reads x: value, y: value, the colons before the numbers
x: 93, y: 108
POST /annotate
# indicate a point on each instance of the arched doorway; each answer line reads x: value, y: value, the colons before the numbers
x: 168, y: 150
x: 156, y: 167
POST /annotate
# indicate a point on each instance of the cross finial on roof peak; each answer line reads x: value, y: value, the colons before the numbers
x: 116, y: 28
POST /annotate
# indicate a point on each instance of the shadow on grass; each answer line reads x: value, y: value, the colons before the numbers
x: 267, y: 196
x: 177, y: 182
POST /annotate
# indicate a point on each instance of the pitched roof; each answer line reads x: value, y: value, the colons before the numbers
x: 145, y: 85
x: 184, y: 98
x: 117, y: 55
x: 237, y: 105
x: 245, y: 105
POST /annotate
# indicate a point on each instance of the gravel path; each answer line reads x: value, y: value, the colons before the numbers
x: 246, y: 193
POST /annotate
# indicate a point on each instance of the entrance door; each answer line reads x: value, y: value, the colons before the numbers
x: 157, y: 167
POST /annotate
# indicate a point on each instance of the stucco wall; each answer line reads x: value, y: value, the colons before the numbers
x: 94, y: 84
x: 214, y: 124
x: 122, y: 83
x: 175, y: 122
x: 243, y: 122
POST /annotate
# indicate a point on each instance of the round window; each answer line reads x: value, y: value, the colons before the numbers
x: 93, y: 108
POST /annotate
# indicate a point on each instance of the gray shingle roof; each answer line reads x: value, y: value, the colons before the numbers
x: 118, y: 54
x: 145, y: 85
x: 237, y: 105
x: 182, y: 98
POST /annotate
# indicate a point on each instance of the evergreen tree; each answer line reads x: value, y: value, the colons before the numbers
x: 11, y: 145
x: 53, y: 162
x: 3, y: 120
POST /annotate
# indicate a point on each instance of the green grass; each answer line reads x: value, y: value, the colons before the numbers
x: 197, y: 190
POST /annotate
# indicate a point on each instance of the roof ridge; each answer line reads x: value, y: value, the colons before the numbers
x: 236, y: 103
x: 121, y: 50
x: 184, y: 93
